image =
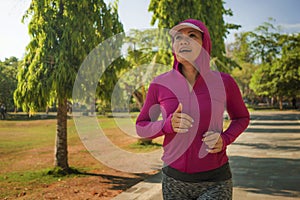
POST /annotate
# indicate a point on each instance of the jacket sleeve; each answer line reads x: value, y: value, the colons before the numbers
x: 147, y: 123
x: 238, y: 113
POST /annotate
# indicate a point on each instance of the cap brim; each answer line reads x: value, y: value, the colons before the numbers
x: 178, y: 27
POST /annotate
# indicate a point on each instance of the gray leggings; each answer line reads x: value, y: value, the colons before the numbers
x: 179, y: 190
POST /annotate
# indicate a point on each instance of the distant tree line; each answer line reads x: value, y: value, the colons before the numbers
x: 270, y: 65
x: 8, y: 82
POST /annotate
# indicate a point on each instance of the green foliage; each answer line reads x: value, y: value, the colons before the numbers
x: 264, y: 42
x: 141, y: 66
x: 241, y: 53
x: 62, y: 34
x: 269, y: 60
x: 261, y: 81
x: 167, y: 13
x: 280, y: 76
x: 107, y: 83
x: 243, y: 76
x: 8, y: 81
x: 240, y: 50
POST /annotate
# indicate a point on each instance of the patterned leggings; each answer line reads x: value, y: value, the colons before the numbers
x: 178, y: 190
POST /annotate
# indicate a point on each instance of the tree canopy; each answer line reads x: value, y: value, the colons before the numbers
x: 281, y: 77
x: 8, y: 81
x: 272, y: 60
x: 62, y: 34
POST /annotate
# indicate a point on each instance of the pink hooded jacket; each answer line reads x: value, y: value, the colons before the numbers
x: 212, y: 93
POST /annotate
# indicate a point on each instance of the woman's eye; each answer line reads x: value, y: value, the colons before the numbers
x: 193, y: 35
x: 178, y: 37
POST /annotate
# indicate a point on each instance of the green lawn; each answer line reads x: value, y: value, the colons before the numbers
x: 27, y: 151
x: 25, y: 147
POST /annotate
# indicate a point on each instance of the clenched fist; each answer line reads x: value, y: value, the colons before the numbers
x: 181, y: 122
x: 214, y: 141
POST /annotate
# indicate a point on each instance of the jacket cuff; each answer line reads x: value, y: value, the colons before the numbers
x: 224, y: 141
x: 167, y: 128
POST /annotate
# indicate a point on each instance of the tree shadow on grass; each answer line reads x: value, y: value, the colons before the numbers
x: 276, y: 116
x: 277, y: 124
x: 119, y: 182
x: 271, y: 130
x: 270, y: 147
x: 116, y: 182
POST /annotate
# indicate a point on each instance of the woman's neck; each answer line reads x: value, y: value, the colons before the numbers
x: 190, y: 73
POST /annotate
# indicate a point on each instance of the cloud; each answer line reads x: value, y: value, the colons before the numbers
x: 291, y: 28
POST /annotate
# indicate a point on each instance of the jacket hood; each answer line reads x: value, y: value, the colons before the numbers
x: 202, y: 62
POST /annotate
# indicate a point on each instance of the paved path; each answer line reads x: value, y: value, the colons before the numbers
x: 265, y: 161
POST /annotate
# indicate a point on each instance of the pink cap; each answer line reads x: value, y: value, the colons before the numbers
x: 183, y: 25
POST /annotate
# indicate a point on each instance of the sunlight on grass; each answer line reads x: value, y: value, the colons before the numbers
x: 27, y: 151
x: 16, y: 183
x: 139, y: 148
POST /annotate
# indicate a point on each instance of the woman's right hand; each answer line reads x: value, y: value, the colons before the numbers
x: 181, y: 122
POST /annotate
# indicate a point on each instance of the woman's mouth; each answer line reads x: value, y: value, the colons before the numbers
x: 185, y: 50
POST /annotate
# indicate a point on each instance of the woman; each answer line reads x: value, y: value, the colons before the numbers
x: 192, y: 99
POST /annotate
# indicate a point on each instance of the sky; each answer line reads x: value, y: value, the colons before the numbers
x: 134, y: 14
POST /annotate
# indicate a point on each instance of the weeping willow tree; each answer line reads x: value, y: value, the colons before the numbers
x: 62, y: 34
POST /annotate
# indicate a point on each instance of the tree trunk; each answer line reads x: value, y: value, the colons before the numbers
x: 61, y: 151
x: 280, y: 103
x: 139, y: 99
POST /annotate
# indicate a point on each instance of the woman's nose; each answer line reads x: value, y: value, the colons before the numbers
x: 184, y: 41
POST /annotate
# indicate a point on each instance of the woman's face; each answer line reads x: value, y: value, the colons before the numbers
x: 187, y: 45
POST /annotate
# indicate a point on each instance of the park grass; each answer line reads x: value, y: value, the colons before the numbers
x: 27, y: 152
x: 16, y: 184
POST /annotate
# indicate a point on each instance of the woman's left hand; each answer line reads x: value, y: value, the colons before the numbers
x: 214, y: 141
